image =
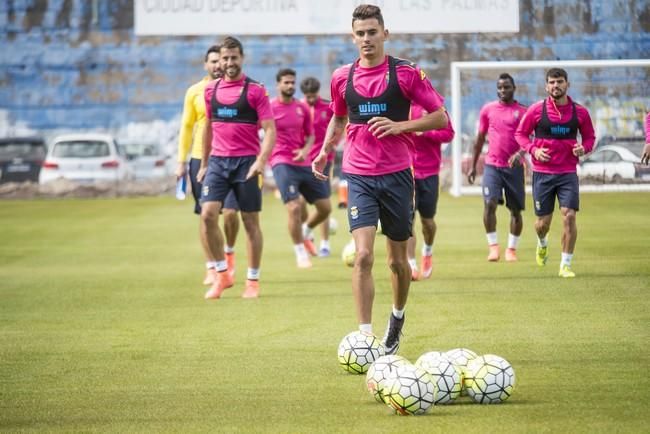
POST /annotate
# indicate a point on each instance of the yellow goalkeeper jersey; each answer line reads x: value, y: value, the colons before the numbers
x: 193, y: 122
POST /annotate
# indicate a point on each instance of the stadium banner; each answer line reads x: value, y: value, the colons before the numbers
x: 313, y: 17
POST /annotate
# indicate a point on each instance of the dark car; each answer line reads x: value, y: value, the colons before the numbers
x: 21, y: 158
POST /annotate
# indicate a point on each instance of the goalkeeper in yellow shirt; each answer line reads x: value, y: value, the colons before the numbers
x: 191, y: 139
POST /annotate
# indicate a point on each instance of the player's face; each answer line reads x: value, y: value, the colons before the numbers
x: 505, y: 90
x: 231, y: 62
x: 369, y: 37
x: 287, y: 86
x: 212, y: 66
x: 311, y: 98
x: 556, y: 87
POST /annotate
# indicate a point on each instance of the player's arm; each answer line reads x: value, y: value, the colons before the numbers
x: 476, y: 152
x: 444, y: 135
x: 308, y: 130
x: 257, y: 168
x: 207, y: 148
x: 185, y: 134
x: 382, y: 127
x: 524, y: 132
x: 333, y: 135
x: 586, y: 128
x: 645, y: 156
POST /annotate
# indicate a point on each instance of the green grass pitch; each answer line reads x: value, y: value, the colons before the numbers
x: 103, y: 326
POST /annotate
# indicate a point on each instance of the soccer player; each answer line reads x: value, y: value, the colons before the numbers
x: 504, y: 170
x: 191, y: 136
x: 291, y: 165
x: 426, y: 167
x: 233, y: 160
x: 555, y: 122
x: 374, y: 95
x: 321, y: 113
x: 645, y: 157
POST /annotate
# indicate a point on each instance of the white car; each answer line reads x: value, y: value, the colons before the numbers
x: 85, y: 158
x: 146, y: 159
x: 614, y: 163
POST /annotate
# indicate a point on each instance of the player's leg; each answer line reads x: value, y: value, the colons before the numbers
x: 195, y: 164
x: 315, y: 192
x: 324, y: 248
x: 396, y: 194
x: 492, y: 187
x: 230, y: 229
x: 569, y: 199
x: 427, y: 206
x: 544, y: 201
x: 515, y: 192
x: 410, y: 256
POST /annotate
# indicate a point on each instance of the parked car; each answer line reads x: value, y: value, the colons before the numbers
x: 21, y: 158
x: 616, y: 163
x: 85, y: 158
x: 146, y: 159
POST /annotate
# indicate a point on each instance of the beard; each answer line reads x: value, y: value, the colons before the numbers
x: 288, y: 93
x: 232, y: 71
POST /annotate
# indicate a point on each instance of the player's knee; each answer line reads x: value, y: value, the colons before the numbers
x: 364, y: 258
x: 491, y: 205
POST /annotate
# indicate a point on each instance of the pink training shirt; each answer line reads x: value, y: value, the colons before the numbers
x: 426, y: 158
x: 364, y: 153
x: 647, y: 128
x: 561, y: 151
x: 231, y: 139
x: 293, y: 124
x: 321, y: 114
x: 499, y: 121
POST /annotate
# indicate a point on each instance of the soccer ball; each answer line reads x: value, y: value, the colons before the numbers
x: 358, y: 350
x: 490, y: 379
x: 460, y: 357
x: 411, y: 391
x: 382, y: 369
x: 447, y: 376
x: 334, y: 226
x: 349, y: 253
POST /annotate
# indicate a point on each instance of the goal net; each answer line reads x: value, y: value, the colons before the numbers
x: 616, y: 93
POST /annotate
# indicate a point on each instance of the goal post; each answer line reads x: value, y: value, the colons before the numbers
x: 636, y: 72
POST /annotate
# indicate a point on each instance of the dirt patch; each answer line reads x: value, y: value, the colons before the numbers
x: 64, y: 188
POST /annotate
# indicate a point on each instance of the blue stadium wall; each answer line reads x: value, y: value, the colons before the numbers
x: 66, y: 64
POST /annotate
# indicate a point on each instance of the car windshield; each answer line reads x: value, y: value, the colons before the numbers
x: 140, y: 149
x: 22, y: 150
x: 81, y: 149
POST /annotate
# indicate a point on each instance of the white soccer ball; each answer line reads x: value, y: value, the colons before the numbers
x: 490, y: 379
x: 382, y: 369
x: 460, y: 357
x: 357, y: 351
x: 333, y: 226
x: 349, y: 253
x: 411, y: 391
x: 447, y: 376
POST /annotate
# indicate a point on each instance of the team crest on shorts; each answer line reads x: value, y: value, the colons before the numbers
x: 292, y: 189
x: 206, y: 190
x: 538, y: 205
x: 354, y: 213
x: 486, y: 190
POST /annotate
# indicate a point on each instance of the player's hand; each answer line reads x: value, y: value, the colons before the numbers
x: 200, y: 176
x: 257, y: 168
x: 382, y: 127
x: 299, y: 154
x: 181, y: 170
x: 516, y: 159
x: 578, y: 150
x: 645, y: 157
x: 541, y: 154
x: 471, y: 175
x: 318, y: 166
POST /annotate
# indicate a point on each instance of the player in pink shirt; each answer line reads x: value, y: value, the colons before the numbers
x: 426, y: 167
x: 645, y: 157
x: 321, y: 113
x: 292, y: 167
x: 234, y: 161
x: 498, y: 120
x: 555, y: 123
x: 373, y: 97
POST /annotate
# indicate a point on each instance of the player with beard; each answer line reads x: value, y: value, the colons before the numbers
x: 555, y: 151
x: 233, y: 160
x: 292, y: 167
x: 190, y: 137
x: 504, y: 169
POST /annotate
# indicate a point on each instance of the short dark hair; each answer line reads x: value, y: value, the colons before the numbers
x: 284, y: 71
x: 230, y: 42
x: 506, y: 76
x: 366, y: 12
x: 310, y: 85
x: 213, y: 49
x: 557, y: 72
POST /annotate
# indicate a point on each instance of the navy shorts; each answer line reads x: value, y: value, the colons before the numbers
x: 228, y: 175
x: 328, y: 171
x: 292, y: 181
x: 387, y: 198
x: 426, y: 196
x: 230, y: 202
x: 508, y: 180
x: 546, y: 186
